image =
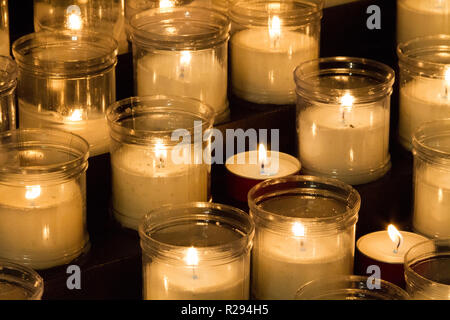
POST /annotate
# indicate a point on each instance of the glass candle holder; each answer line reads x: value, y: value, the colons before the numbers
x: 182, y: 51
x: 102, y: 16
x: 42, y: 197
x: 4, y: 29
x: 269, y: 39
x: 196, y: 251
x: 424, y: 83
x: 66, y: 81
x: 305, y: 230
x: 419, y: 18
x: 8, y: 84
x: 350, y: 288
x: 431, y: 150
x: 150, y: 166
x: 18, y: 282
x: 427, y: 270
x: 343, y: 109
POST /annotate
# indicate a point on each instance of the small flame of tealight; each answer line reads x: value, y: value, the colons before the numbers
x: 166, y: 3
x: 192, y: 260
x: 275, y: 30
x: 298, y: 229
x: 161, y: 154
x: 347, y: 101
x: 74, y: 21
x: 447, y: 81
x: 76, y: 115
x: 32, y: 192
x: 395, y: 236
x: 262, y: 158
x: 185, y: 62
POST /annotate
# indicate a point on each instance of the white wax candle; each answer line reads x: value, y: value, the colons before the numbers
x: 432, y: 201
x: 194, y: 74
x: 263, y: 64
x: 181, y: 282
x: 379, y: 246
x: 418, y: 18
x: 350, y: 142
x: 94, y: 130
x: 42, y: 225
x: 283, y: 263
x: 4, y: 43
x: 422, y: 100
x: 276, y: 165
x: 142, y: 181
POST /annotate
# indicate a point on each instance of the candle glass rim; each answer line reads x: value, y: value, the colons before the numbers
x: 409, y: 55
x: 24, y: 277
x: 411, y: 258
x: 211, y: 213
x: 424, y: 134
x: 157, y: 104
x: 24, y: 51
x: 387, y: 291
x: 22, y: 139
x: 307, y: 73
x: 8, y: 70
x: 214, y: 25
x: 247, y: 13
x: 316, y: 226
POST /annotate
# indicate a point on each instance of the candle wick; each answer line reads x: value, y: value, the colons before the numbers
x: 398, y: 245
x: 194, y: 275
x: 445, y: 91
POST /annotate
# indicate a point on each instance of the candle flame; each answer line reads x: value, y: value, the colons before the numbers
x: 32, y: 192
x: 191, y: 257
x: 262, y: 158
x: 395, y: 236
x: 185, y: 59
x: 347, y: 100
x: 160, y: 153
x: 447, y: 75
x: 74, y: 21
x: 298, y: 229
x: 166, y: 3
x: 76, y: 115
x: 274, y: 28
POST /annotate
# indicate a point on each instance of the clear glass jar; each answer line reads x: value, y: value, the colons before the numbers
x: 42, y: 197
x: 424, y: 83
x: 66, y: 81
x: 4, y: 29
x: 8, y: 84
x: 18, y: 282
x: 149, y: 167
x: 107, y: 17
x: 196, y: 251
x: 419, y: 18
x: 350, y: 288
x: 182, y: 51
x: 269, y: 39
x: 431, y: 150
x: 427, y: 270
x: 305, y: 230
x: 343, y: 112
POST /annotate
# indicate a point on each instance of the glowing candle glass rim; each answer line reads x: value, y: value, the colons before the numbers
x: 310, y: 186
x: 22, y: 276
x: 349, y: 287
x: 292, y: 13
x: 50, y: 155
x: 171, y: 28
x: 426, y: 56
x: 8, y: 74
x: 323, y: 80
x: 431, y: 142
x: 95, y: 52
x: 434, y: 248
x: 201, y: 213
x: 123, y: 116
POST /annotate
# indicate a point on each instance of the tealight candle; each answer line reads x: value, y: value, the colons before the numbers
x: 197, y: 251
x: 146, y: 170
x: 247, y: 169
x: 418, y: 18
x: 42, y: 197
x: 174, y: 58
x: 424, y: 84
x: 343, y: 118
x: 66, y: 81
x: 386, y: 249
x: 305, y: 230
x: 431, y: 149
x: 269, y: 40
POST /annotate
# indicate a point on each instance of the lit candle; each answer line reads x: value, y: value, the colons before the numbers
x: 386, y: 249
x: 347, y: 141
x: 418, y: 18
x: 263, y: 59
x: 246, y: 169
